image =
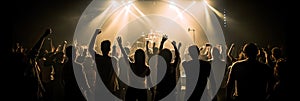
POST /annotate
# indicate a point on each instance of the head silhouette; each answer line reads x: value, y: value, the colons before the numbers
x: 69, y: 50
x: 166, y: 54
x: 155, y: 50
x: 194, y: 51
x: 216, y: 52
x: 250, y: 50
x: 105, y: 47
x: 139, y: 56
x: 276, y: 52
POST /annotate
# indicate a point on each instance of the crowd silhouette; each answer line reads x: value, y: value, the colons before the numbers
x: 256, y: 74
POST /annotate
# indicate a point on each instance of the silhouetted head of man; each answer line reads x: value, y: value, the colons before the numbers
x: 194, y: 51
x: 155, y: 50
x: 250, y: 50
x: 166, y: 54
x: 105, y: 47
x: 69, y: 51
x: 216, y: 53
x: 276, y: 53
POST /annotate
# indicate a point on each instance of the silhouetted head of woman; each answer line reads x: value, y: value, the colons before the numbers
x: 139, y: 56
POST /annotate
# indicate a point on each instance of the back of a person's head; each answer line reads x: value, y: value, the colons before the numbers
x: 155, y: 50
x: 194, y: 51
x: 69, y: 50
x: 216, y: 53
x: 166, y: 54
x: 276, y: 52
x: 250, y: 50
x: 208, y: 44
x: 105, y: 47
x: 139, y: 56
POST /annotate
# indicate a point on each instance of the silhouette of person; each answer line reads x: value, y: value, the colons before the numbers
x: 139, y: 76
x: 89, y: 72
x: 35, y: 86
x: 282, y: 88
x: 232, y: 59
x: 169, y: 80
x: 249, y: 79
x: 276, y: 54
x: 196, y: 70
x: 124, y: 67
x: 70, y: 69
x: 219, y: 67
x: 106, y: 66
x: 149, y: 53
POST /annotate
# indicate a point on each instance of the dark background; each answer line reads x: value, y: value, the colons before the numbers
x: 265, y: 22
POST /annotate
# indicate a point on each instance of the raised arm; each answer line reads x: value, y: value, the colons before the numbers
x: 230, y: 80
x: 179, y: 46
x: 163, y: 40
x: 229, y: 53
x: 37, y: 47
x: 92, y: 42
x: 52, y: 48
x: 64, y: 47
x: 147, y: 48
x: 64, y: 51
x: 267, y: 56
x: 153, y: 46
x: 177, y: 57
x: 125, y: 56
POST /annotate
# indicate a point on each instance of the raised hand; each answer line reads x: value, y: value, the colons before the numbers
x: 163, y: 40
x: 65, y: 42
x: 99, y: 31
x: 174, y: 43
x: 232, y: 45
x: 48, y: 31
x: 265, y: 52
x: 165, y: 37
x: 119, y: 39
x: 179, y: 45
